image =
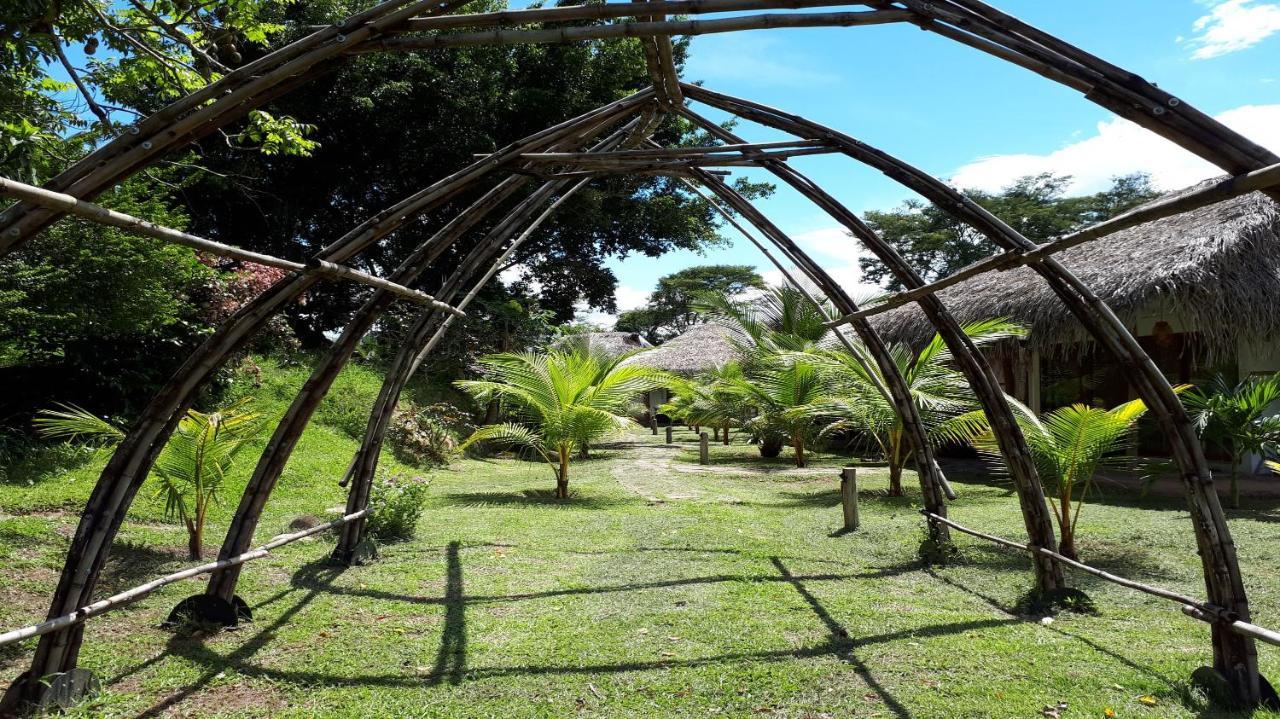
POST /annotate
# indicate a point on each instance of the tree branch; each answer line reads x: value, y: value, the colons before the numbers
x: 94, y: 107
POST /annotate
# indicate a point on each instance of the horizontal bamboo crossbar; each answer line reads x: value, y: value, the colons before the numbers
x: 1217, y: 192
x: 762, y: 21
x: 675, y: 152
x: 129, y: 596
x: 1191, y: 607
x: 137, y: 225
x: 710, y: 160
x: 602, y: 11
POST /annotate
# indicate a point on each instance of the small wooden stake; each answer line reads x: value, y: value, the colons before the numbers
x: 849, y: 497
x: 704, y: 448
x: 653, y: 424
x: 668, y: 434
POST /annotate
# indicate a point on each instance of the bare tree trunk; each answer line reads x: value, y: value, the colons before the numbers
x: 1235, y: 481
x: 895, y: 466
x: 562, y: 475
x: 195, y: 540
x: 797, y: 441
x: 726, y: 433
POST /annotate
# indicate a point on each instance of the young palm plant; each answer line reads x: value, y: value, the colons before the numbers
x: 709, y: 399
x: 1069, y: 445
x: 193, y: 465
x: 783, y: 388
x: 860, y: 403
x: 561, y: 399
x: 1231, y: 416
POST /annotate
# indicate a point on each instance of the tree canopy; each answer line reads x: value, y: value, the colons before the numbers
x: 672, y: 306
x: 937, y: 244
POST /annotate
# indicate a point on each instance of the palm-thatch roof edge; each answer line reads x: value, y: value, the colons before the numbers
x: 699, y: 349
x: 1216, y: 269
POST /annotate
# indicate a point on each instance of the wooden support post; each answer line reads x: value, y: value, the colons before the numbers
x: 653, y: 423
x: 669, y: 439
x: 849, y: 497
x: 704, y: 448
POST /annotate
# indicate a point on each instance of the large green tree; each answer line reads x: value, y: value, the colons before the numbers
x: 937, y: 244
x: 671, y: 308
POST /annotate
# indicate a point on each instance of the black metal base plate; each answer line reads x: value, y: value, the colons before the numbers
x: 209, y: 609
x: 67, y: 689
x: 1219, y: 692
x: 365, y: 552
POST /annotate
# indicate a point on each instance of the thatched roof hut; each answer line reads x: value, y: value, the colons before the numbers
x: 1213, y: 271
x: 610, y: 343
x: 701, y: 348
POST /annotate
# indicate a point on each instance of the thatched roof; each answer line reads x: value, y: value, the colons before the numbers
x: 1215, y: 270
x: 703, y: 347
x: 611, y: 343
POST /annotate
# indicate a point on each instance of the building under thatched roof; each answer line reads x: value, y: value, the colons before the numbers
x: 701, y: 348
x: 1199, y: 290
x: 1214, y: 272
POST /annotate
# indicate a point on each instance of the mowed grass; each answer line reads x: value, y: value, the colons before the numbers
x: 660, y: 589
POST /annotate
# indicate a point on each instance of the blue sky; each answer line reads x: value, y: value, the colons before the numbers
x: 960, y: 114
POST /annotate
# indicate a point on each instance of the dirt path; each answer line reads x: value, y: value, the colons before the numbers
x: 653, y: 472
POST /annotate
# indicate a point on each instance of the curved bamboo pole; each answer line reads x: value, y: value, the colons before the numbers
x: 934, y: 488
x: 208, y: 109
x: 982, y: 26
x: 1235, y: 656
x: 1012, y: 443
x: 276, y: 454
x: 132, y: 460
x: 421, y: 339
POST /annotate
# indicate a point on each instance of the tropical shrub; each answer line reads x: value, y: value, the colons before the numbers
x: 1231, y: 416
x: 191, y: 468
x: 1069, y: 445
x: 560, y: 400
x: 424, y: 435
x: 859, y: 401
x: 395, y: 504
x: 783, y: 388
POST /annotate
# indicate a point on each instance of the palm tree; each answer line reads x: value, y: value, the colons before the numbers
x: 562, y: 399
x: 709, y: 399
x: 859, y: 401
x: 191, y: 468
x: 783, y: 387
x: 1231, y: 417
x: 783, y: 319
x: 1068, y: 446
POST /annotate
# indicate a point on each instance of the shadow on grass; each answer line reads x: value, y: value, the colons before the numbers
x: 538, y: 497
x: 451, y: 655
x: 1125, y: 560
x: 1009, y: 609
x: 131, y: 563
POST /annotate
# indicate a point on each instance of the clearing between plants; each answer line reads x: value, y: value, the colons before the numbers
x: 648, y: 593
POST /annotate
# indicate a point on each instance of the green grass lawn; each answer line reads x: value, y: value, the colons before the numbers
x: 660, y: 589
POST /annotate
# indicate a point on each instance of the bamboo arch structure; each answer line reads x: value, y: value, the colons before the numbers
x: 615, y: 139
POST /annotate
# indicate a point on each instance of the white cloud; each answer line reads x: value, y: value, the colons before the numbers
x: 837, y: 253
x: 1233, y: 25
x: 1119, y: 148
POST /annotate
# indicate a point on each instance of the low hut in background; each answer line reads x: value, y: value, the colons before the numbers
x: 702, y: 348
x: 1199, y: 290
x: 610, y: 343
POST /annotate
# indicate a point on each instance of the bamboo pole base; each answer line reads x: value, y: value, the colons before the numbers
x: 208, y: 610
x: 55, y: 692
